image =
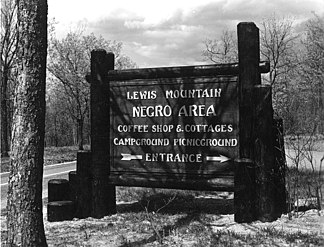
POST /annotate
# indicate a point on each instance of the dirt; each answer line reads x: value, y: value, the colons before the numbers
x: 194, y: 221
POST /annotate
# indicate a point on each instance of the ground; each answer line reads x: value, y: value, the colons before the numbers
x: 184, y: 220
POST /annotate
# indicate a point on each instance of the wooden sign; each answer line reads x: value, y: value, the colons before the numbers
x: 174, y: 125
x: 204, y: 127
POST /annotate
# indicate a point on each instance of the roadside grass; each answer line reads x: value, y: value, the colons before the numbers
x: 305, y: 189
x: 305, y: 181
x: 53, y: 155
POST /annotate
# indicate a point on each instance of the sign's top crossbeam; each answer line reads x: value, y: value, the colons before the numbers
x: 182, y: 71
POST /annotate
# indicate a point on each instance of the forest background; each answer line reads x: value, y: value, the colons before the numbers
x: 296, y: 58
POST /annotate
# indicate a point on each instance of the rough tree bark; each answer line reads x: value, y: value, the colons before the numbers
x: 25, y: 217
x: 4, y: 114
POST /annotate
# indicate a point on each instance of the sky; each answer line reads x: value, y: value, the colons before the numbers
x: 170, y: 32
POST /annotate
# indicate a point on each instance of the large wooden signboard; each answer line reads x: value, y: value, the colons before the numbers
x: 174, y: 126
x: 193, y: 127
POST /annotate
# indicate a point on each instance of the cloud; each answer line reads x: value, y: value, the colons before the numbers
x: 178, y: 39
x: 172, y: 41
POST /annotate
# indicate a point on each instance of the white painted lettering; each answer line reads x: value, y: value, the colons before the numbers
x: 169, y: 157
x: 162, y: 128
x: 152, y: 111
x: 141, y: 95
x: 197, y: 111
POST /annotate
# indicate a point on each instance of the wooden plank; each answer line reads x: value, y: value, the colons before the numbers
x: 182, y: 71
x: 179, y: 80
x: 219, y: 183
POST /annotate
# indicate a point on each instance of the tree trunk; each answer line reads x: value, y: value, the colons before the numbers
x: 56, y: 138
x: 25, y: 217
x: 80, y: 123
x: 4, y: 113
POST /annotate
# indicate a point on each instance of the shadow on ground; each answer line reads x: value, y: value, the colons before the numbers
x: 191, y: 207
x: 164, y: 203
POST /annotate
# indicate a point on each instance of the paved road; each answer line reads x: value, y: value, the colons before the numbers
x: 50, y: 172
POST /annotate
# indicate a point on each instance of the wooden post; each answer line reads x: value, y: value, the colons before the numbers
x: 244, y: 199
x: 280, y: 167
x: 84, y: 188
x: 73, y: 181
x: 59, y: 206
x: 249, y: 76
x: 264, y: 153
x: 103, y: 194
x: 60, y: 210
x: 58, y: 190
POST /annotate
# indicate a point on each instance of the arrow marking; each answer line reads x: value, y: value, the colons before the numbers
x: 220, y: 158
x: 131, y: 157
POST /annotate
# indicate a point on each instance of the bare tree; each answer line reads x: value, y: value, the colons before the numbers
x: 8, y: 46
x: 59, y: 125
x: 69, y: 62
x: 25, y: 217
x: 223, y: 50
x: 277, y: 46
x: 312, y: 71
